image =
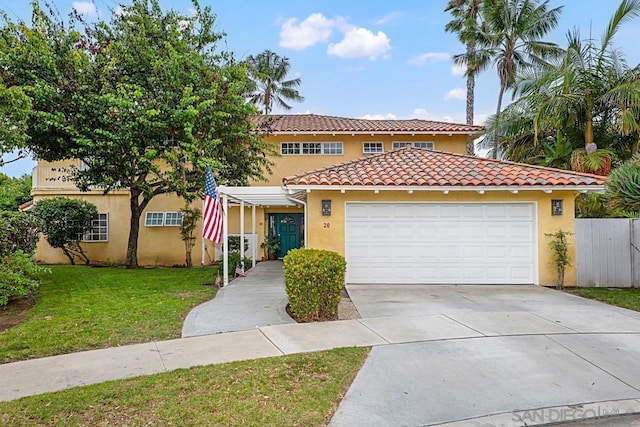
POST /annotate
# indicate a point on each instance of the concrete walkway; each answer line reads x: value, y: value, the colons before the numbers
x: 248, y: 302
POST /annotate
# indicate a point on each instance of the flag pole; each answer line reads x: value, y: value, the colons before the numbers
x: 202, y: 238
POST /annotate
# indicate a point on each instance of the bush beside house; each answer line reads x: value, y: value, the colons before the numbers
x: 314, y: 279
x: 18, y: 239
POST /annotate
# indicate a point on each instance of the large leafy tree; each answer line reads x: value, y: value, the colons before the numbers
x: 14, y: 192
x: 512, y: 36
x: 268, y: 72
x: 465, y: 23
x: 144, y: 100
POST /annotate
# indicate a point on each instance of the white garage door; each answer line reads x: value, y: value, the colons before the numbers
x: 448, y: 243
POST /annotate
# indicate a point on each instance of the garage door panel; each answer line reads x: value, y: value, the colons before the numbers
x: 440, y: 243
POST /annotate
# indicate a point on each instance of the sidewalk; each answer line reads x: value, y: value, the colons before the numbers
x: 248, y: 302
x: 55, y: 373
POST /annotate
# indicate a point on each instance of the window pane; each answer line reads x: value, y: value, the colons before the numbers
x: 173, y: 219
x: 311, y: 148
x: 397, y: 145
x: 154, y: 219
x: 290, y: 148
x: 427, y: 145
x: 332, y: 148
x: 99, y: 231
x: 372, y: 147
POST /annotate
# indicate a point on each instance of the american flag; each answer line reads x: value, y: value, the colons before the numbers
x: 212, y: 214
x: 240, y: 271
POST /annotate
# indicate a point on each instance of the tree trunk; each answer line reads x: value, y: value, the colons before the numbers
x: 134, y: 230
x: 471, y: 85
x: 635, y: 147
x: 496, y: 139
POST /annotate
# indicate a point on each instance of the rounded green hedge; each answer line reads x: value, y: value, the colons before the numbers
x: 314, y: 279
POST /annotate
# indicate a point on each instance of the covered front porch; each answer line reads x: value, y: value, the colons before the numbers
x: 283, y: 212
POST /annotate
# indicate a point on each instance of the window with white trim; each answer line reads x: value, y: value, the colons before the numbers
x: 99, y: 231
x: 372, y: 147
x: 332, y: 148
x: 311, y: 148
x: 419, y: 144
x: 154, y: 219
x: 289, y: 148
x: 173, y: 219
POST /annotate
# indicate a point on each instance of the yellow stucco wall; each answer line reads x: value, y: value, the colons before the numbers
x: 287, y: 165
x: 156, y: 245
x: 332, y: 237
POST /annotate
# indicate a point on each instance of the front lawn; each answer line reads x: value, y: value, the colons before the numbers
x: 622, y: 297
x: 81, y: 308
x: 301, y: 389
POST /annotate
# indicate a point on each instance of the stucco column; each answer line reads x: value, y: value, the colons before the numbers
x: 242, y: 233
x: 254, y: 248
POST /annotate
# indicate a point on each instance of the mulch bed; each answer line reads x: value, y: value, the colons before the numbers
x: 13, y: 313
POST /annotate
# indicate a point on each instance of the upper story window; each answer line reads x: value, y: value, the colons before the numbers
x: 311, y: 148
x: 372, y: 147
x: 99, y: 231
x: 419, y: 144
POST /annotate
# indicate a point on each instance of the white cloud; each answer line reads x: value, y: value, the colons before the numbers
x: 388, y: 18
x: 360, y: 42
x: 421, y: 113
x: 316, y: 28
x: 386, y: 116
x: 85, y: 8
x: 458, y: 70
x: 457, y: 93
x: 429, y: 57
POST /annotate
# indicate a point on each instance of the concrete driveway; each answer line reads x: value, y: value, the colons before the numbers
x: 491, y: 355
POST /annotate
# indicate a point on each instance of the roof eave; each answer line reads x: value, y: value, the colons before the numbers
x: 375, y: 132
x: 443, y: 188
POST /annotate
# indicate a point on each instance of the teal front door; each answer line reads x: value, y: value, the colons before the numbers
x: 289, y: 227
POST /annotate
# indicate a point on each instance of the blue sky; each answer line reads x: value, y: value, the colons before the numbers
x: 373, y: 59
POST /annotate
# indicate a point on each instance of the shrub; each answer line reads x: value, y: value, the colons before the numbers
x: 17, y: 276
x: 623, y: 186
x: 234, y: 260
x: 314, y: 279
x: 64, y: 223
x: 18, y: 232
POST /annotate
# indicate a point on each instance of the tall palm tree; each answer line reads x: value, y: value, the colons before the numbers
x: 268, y: 72
x: 465, y: 24
x: 591, y: 86
x: 511, y: 36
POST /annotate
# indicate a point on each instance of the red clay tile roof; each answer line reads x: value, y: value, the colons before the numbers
x: 300, y: 123
x: 412, y: 166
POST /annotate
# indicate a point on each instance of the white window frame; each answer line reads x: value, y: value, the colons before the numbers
x: 312, y: 148
x: 154, y: 221
x: 368, y: 147
x: 401, y: 144
x: 170, y: 223
x: 289, y: 148
x: 101, y: 229
x: 336, y: 146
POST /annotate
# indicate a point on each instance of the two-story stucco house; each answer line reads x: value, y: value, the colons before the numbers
x: 398, y: 198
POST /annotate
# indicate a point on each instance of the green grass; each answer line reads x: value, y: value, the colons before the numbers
x: 80, y: 308
x: 301, y: 389
x: 622, y: 297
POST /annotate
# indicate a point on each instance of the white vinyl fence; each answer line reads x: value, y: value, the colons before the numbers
x: 608, y: 252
